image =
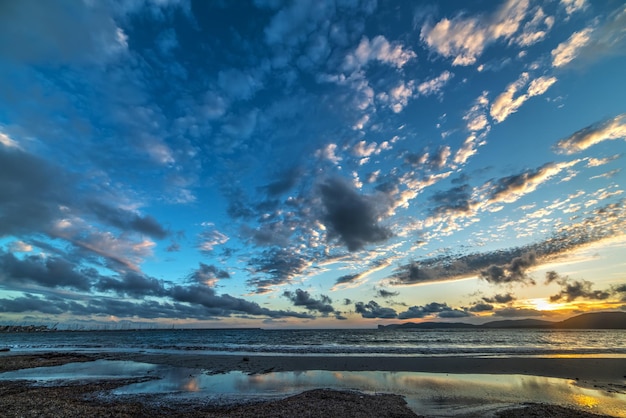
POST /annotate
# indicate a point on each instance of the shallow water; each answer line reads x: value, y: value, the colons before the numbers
x: 431, y: 394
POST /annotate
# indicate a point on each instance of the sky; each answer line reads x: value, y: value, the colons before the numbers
x: 291, y: 164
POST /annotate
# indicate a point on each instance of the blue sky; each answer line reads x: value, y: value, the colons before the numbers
x: 310, y: 163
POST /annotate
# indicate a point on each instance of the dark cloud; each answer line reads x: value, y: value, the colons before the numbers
x: 348, y: 278
x: 207, y: 273
x: 351, y: 217
x: 513, y: 272
x: 280, y: 265
x: 412, y: 273
x: 438, y: 159
x: 386, y: 293
x: 284, y: 183
x: 509, y: 188
x: 225, y: 305
x: 31, y: 192
x: 620, y: 291
x: 414, y: 159
x: 509, y: 265
x: 29, y: 303
x: 374, y: 310
x: 441, y: 310
x: 500, y: 298
x: 574, y: 289
x: 303, y: 298
x: 132, y: 284
x: 455, y: 200
x: 45, y: 271
x: 127, y: 220
x: 481, y: 307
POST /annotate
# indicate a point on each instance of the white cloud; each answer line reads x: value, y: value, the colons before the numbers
x: 540, y: 85
x: 465, y: 38
x: 435, y: 85
x: 536, y: 29
x: 476, y: 117
x: 510, y: 189
x: 20, y: 247
x: 378, y: 49
x: 7, y: 141
x: 610, y: 129
x: 507, y: 102
x: 566, y: 51
x: 208, y: 240
x: 398, y: 97
x: 572, y: 6
x: 597, y: 162
x: 328, y: 153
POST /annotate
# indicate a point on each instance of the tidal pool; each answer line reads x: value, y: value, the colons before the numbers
x: 430, y: 394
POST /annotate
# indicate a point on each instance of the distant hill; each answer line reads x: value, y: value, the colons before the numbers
x: 596, y: 320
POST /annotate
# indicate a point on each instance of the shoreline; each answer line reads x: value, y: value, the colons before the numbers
x: 603, y: 374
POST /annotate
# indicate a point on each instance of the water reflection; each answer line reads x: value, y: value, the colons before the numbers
x: 426, y: 393
x: 429, y: 394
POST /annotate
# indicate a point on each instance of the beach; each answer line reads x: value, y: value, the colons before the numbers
x: 97, y: 398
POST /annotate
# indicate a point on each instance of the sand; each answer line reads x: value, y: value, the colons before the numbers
x: 85, y: 399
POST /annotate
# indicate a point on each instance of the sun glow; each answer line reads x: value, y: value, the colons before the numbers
x: 542, y: 304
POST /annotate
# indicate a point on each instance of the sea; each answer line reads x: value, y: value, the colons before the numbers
x: 351, y: 342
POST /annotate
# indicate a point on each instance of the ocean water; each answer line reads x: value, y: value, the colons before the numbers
x: 371, y: 342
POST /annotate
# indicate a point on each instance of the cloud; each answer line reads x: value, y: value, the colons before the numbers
x: 481, y: 307
x: 574, y: 289
x: 278, y: 265
x: 43, y: 33
x: 540, y: 85
x: 131, y: 284
x: 536, y: 29
x: 303, y: 298
x: 567, y: 51
x: 434, y: 85
x: 237, y: 84
x: 513, y: 272
x: 351, y: 217
x: 465, y: 38
x: 500, y: 298
x: 329, y: 153
x: 374, y: 310
x: 511, y: 188
x: 52, y: 272
x: 386, y: 293
x: 442, y: 310
x: 572, y: 6
x: 476, y: 117
x: 20, y: 247
x: 127, y: 220
x: 209, y: 239
x: 607, y: 130
x: 348, y: 279
x: 452, y: 201
x: 506, y: 103
x: 208, y: 275
x: 378, y: 49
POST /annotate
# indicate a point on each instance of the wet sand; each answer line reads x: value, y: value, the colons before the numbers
x: 84, y: 399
